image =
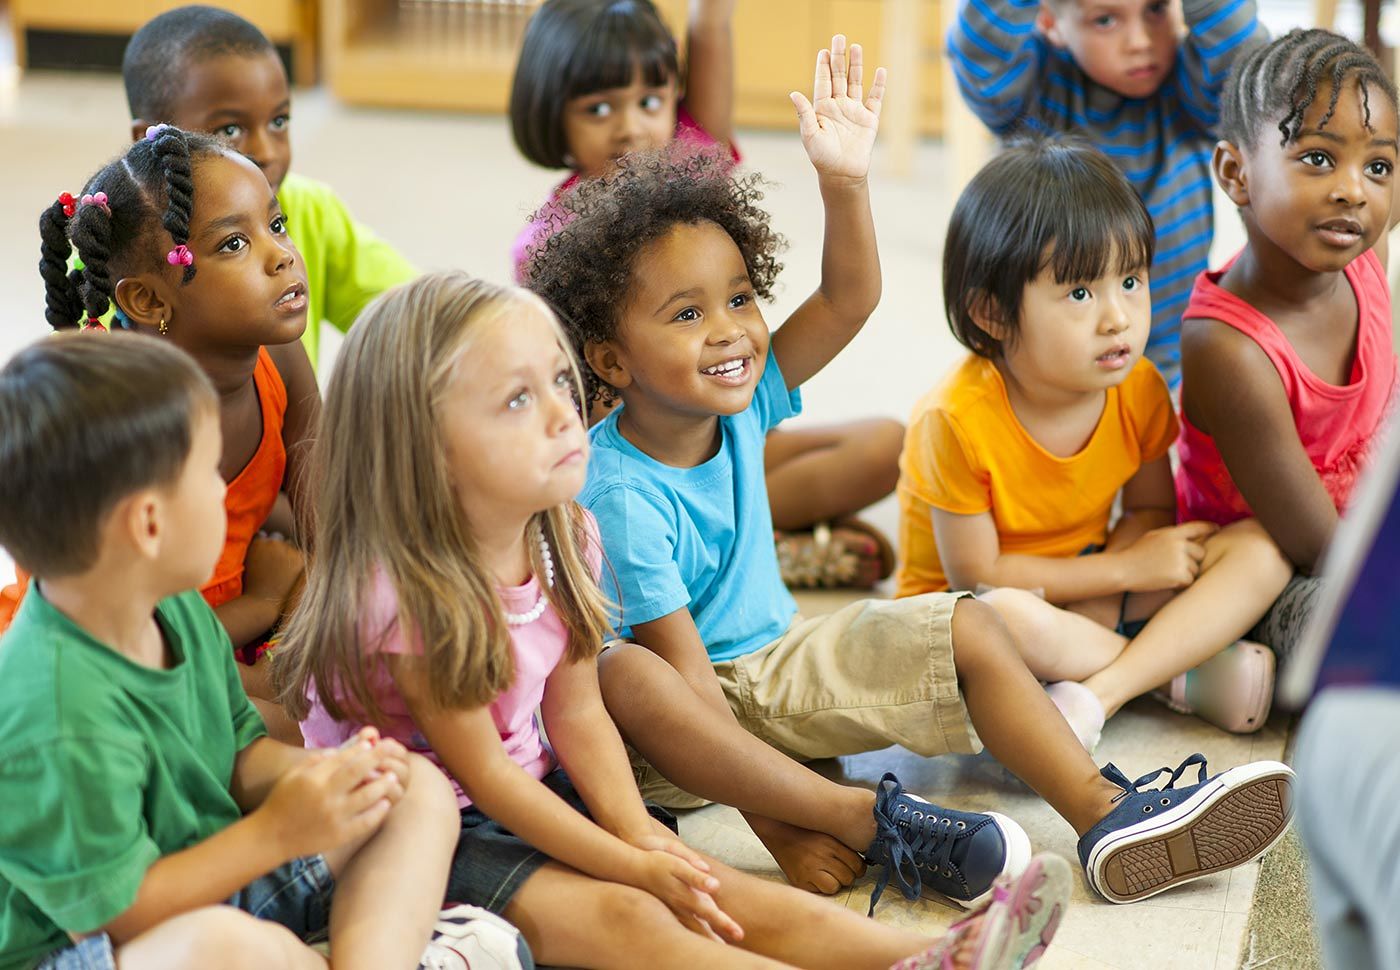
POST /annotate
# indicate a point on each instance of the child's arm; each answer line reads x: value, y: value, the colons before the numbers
x: 997, y: 58
x: 709, y: 82
x: 299, y: 423
x: 1163, y: 558
x: 326, y: 799
x: 1149, y: 502
x: 838, y: 132
x: 1218, y: 33
x: 1234, y: 395
x: 469, y: 745
x: 272, y: 572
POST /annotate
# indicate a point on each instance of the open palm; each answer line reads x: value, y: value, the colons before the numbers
x: 838, y: 127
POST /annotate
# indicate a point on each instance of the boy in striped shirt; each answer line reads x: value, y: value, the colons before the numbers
x: 1141, y: 80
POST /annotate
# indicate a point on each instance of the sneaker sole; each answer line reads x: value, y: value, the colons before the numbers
x: 1024, y: 930
x: 1018, y: 856
x: 1233, y: 819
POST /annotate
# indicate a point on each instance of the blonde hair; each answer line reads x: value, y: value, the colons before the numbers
x: 384, y: 505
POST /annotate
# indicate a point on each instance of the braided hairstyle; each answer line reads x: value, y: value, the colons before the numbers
x: 1281, y: 80
x: 150, y: 198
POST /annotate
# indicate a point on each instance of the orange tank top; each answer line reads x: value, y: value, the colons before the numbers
x: 247, y: 502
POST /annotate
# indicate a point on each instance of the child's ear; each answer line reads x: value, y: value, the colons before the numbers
x: 143, y: 302
x: 1228, y: 165
x: 981, y: 309
x: 603, y: 357
x: 1047, y: 22
x: 136, y: 520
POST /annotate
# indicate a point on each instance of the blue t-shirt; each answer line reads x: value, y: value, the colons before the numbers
x: 697, y: 537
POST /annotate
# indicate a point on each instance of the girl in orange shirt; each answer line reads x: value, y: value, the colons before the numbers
x: 1012, y: 466
x: 185, y: 237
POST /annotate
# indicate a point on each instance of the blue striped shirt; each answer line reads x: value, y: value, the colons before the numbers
x: 1016, y: 81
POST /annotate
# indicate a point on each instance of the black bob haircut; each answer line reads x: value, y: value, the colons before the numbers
x: 1279, y: 83
x: 158, y: 55
x: 87, y: 419
x: 1043, y: 203
x: 576, y: 47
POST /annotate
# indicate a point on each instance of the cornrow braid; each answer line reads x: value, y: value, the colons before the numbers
x: 1281, y: 80
x: 150, y: 193
x: 63, y: 302
x: 173, y: 151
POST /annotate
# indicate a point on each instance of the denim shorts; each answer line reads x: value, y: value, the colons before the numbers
x: 491, y: 864
x: 296, y: 895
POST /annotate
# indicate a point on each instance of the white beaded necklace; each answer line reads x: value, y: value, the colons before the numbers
x: 537, y: 611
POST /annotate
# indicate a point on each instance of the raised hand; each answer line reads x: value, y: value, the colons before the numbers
x: 838, y: 127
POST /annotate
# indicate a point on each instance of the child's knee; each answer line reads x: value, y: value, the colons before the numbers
x: 214, y: 937
x: 630, y: 910
x: 624, y: 667
x: 980, y: 636
x: 881, y: 440
x: 430, y: 798
x: 1251, y: 543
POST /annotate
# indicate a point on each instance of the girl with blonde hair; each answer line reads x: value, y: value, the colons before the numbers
x: 452, y: 590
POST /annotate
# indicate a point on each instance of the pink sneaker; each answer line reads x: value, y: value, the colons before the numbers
x: 1017, y: 925
x: 1233, y: 690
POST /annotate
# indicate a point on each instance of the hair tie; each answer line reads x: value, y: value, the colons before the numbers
x: 65, y: 199
x: 153, y: 132
x: 93, y: 323
x: 180, y: 256
x: 98, y: 199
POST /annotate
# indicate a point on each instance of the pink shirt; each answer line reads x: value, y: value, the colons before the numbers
x: 538, y: 647
x: 1336, y: 425
x: 687, y: 130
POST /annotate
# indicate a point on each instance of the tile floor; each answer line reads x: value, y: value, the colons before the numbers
x: 450, y: 191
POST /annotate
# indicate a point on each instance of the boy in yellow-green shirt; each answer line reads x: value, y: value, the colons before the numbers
x: 205, y: 69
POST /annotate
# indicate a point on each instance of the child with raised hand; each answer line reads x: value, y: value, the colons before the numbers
x: 206, y: 69
x: 597, y: 79
x: 1141, y: 80
x: 1288, y: 366
x: 151, y: 822
x: 658, y: 274
x: 455, y: 592
x: 184, y: 237
x: 1013, y: 463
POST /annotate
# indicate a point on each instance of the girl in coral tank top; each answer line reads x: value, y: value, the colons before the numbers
x: 1287, y: 361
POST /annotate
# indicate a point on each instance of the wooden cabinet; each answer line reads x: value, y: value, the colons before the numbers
x: 461, y: 53
x: 287, y: 23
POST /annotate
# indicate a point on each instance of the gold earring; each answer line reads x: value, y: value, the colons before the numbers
x: 162, y: 328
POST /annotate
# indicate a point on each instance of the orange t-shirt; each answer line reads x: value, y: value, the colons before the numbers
x: 247, y: 503
x: 966, y: 453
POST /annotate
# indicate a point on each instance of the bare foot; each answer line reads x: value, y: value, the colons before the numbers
x: 813, y: 861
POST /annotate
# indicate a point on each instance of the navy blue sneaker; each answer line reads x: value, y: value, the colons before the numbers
x: 1167, y: 836
x: 926, y: 847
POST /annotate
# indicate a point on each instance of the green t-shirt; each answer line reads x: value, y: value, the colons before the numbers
x: 106, y: 766
x: 347, y: 265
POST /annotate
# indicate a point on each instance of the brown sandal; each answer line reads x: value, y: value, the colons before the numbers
x: 850, y: 554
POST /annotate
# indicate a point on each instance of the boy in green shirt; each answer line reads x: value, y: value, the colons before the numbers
x: 149, y: 821
x: 205, y: 69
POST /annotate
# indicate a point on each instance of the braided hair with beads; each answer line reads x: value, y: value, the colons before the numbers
x: 117, y: 229
x: 1281, y: 81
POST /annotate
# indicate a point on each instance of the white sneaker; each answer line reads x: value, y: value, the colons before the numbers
x: 471, y: 938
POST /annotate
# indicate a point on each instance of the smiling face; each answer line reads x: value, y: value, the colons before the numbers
x: 601, y: 127
x: 513, y: 439
x: 1127, y: 46
x: 1324, y: 198
x: 249, y: 288
x: 1081, y: 336
x: 243, y: 99
x: 692, y: 340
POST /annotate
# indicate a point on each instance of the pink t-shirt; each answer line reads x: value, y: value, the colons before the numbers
x: 1337, y: 425
x: 687, y: 129
x: 538, y: 647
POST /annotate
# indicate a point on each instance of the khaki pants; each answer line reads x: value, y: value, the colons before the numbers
x: 872, y: 674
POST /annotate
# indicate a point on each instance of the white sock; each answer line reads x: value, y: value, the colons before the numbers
x: 1081, y: 708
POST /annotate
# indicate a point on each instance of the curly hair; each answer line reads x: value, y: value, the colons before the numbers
x: 1280, y: 81
x: 590, y: 239
x: 158, y: 58
x: 149, y: 188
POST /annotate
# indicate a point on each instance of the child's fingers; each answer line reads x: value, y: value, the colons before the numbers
x: 678, y: 848
x: 350, y: 766
x: 383, y: 788
x: 838, y: 66
x: 853, y: 83
x: 366, y: 823
x: 1198, y: 530
x: 704, y: 907
x: 821, y: 86
x: 807, y: 124
x: 877, y: 92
